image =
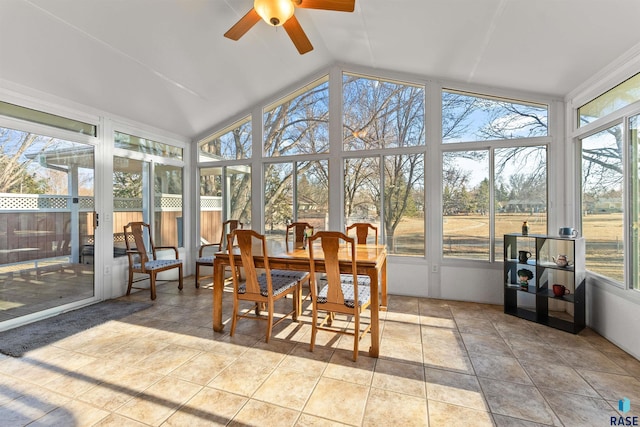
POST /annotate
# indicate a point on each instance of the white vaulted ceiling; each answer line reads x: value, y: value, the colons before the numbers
x: 166, y: 63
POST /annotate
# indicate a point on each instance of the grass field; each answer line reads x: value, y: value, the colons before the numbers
x: 465, y: 236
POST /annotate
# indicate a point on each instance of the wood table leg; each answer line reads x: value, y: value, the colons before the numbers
x: 374, y: 350
x: 383, y: 274
x: 218, y: 290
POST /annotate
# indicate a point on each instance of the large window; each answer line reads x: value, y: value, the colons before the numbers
x: 233, y: 142
x: 471, y: 117
x: 147, y: 186
x: 602, y: 202
x: 382, y: 114
x: 299, y: 123
x: 296, y: 191
x: 612, y: 100
x: 225, y: 193
x: 386, y: 190
x: 465, y: 205
x: 512, y: 175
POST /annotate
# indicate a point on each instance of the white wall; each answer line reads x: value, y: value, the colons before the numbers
x: 614, y: 315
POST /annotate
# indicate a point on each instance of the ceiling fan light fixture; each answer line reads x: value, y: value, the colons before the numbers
x: 274, y: 12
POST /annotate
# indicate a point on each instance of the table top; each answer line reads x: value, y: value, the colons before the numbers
x: 365, y: 254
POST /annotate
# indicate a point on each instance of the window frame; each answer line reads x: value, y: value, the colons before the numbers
x: 619, y: 117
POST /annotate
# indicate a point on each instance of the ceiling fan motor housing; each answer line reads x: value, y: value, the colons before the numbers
x: 274, y: 12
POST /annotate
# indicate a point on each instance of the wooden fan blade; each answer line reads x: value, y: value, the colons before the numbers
x: 243, y: 25
x: 297, y: 35
x: 337, y: 5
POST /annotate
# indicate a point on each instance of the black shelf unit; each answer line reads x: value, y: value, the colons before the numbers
x: 536, y: 301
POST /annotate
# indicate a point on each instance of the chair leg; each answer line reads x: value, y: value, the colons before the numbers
x: 356, y: 337
x: 234, y: 317
x: 296, y: 303
x: 180, y: 277
x: 314, y: 326
x: 269, y: 321
x: 130, y: 281
x: 197, y: 275
x: 152, y: 285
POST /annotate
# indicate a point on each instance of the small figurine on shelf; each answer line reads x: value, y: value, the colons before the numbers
x: 525, y: 228
x: 524, y: 276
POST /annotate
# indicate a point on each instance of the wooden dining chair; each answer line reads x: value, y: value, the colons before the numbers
x: 207, y: 251
x: 362, y: 230
x: 142, y: 261
x: 296, y: 234
x: 296, y: 237
x: 263, y: 289
x: 336, y: 295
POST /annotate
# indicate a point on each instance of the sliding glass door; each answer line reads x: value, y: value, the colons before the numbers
x: 46, y: 223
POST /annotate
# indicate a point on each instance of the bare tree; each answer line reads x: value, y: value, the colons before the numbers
x: 15, y: 174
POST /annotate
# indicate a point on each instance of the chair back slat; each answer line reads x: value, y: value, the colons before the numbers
x: 297, y: 231
x: 244, y: 240
x: 330, y: 243
x: 362, y: 232
x: 228, y: 227
x: 138, y: 231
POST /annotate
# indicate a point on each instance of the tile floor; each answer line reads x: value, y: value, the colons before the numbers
x: 442, y: 363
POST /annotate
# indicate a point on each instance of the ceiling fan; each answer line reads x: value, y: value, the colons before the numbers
x: 280, y: 13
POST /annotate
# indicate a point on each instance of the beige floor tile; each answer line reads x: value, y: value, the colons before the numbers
x: 307, y: 420
x: 168, y: 358
x: 446, y: 356
x: 502, y: 368
x: 385, y: 408
x: 476, y: 326
x: 286, y: 387
x: 342, y: 367
x: 454, y: 388
x: 401, y: 351
x: 486, y: 344
x: 303, y: 360
x: 209, y: 407
x: 399, y: 377
x: 558, y: 377
x: 524, y: 348
x: 590, y: 359
x: 347, y: 399
x: 115, y: 420
x: 33, y: 371
x: 74, y: 413
x: 32, y: 405
x: 137, y: 350
x: 443, y: 414
x: 242, y: 377
x: 517, y: 401
x: 407, y: 329
x: 579, y: 411
x: 262, y: 413
x: 504, y: 421
x: 613, y: 386
x: 202, y: 368
x: 119, y: 387
x: 158, y: 402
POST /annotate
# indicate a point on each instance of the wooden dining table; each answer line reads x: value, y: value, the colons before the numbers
x: 371, y: 261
